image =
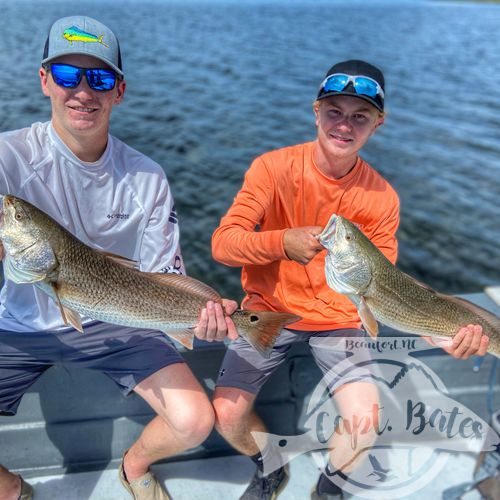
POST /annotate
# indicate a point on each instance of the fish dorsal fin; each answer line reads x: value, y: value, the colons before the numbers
x: 17, y: 275
x: 129, y: 263
x: 419, y: 283
x: 484, y: 314
x: 367, y: 318
x: 69, y: 316
x: 186, y: 284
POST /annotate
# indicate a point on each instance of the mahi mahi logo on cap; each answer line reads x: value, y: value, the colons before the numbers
x: 75, y: 34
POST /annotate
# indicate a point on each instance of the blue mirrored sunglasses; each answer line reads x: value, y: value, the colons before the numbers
x: 363, y: 85
x: 69, y: 77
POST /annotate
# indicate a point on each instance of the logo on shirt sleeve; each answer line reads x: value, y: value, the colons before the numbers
x: 118, y: 216
x: 175, y: 268
x: 173, y: 216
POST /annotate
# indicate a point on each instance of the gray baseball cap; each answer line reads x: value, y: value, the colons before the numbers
x: 83, y: 35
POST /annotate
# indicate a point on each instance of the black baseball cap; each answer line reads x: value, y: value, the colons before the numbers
x: 373, y: 93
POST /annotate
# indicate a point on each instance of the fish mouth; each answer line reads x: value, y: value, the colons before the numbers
x: 5, y: 201
x: 327, y: 236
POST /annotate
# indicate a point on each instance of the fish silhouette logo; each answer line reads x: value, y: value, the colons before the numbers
x: 75, y: 34
x: 416, y: 424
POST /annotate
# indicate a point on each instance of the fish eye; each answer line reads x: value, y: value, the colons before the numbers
x: 348, y: 237
x: 19, y: 216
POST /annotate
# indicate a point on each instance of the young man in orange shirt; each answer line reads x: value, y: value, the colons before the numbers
x: 290, y: 194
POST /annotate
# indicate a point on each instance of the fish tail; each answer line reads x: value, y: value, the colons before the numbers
x: 283, y: 449
x: 100, y: 40
x: 264, y: 328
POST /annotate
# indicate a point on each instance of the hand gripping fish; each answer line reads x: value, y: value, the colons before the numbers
x: 355, y: 267
x: 106, y: 287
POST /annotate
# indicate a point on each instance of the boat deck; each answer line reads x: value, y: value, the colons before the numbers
x: 73, y: 426
x: 225, y: 478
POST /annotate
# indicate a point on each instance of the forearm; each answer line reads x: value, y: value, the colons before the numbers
x: 233, y: 245
x: 237, y: 242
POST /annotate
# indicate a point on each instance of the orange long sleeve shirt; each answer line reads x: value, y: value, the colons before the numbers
x: 285, y: 189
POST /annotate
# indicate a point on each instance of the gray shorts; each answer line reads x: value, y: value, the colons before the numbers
x: 126, y: 355
x: 244, y: 368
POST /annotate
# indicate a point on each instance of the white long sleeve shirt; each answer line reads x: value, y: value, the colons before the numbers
x: 121, y: 204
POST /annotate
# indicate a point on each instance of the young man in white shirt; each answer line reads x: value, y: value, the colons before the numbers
x: 117, y: 200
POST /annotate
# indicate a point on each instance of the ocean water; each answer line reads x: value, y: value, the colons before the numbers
x: 212, y: 84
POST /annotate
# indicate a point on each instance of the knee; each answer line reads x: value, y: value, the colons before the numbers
x: 229, y: 412
x: 223, y: 414
x: 193, y: 425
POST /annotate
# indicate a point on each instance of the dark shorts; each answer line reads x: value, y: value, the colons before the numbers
x: 126, y: 355
x: 244, y: 368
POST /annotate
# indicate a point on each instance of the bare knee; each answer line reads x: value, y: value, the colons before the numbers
x: 224, y: 413
x: 193, y: 425
x: 232, y: 408
x: 180, y: 402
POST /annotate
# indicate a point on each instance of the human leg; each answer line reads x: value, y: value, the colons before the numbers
x: 235, y: 421
x: 10, y: 485
x: 13, y: 487
x: 23, y: 359
x: 241, y: 376
x: 145, y: 362
x: 357, y: 403
x: 236, y: 418
x: 184, y: 418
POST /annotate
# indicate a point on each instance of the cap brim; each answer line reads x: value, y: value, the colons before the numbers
x: 82, y: 52
x: 351, y: 94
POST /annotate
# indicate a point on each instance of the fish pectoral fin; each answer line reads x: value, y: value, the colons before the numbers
x: 128, y: 263
x: 73, y: 318
x: 184, y: 336
x: 69, y: 316
x: 367, y: 318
